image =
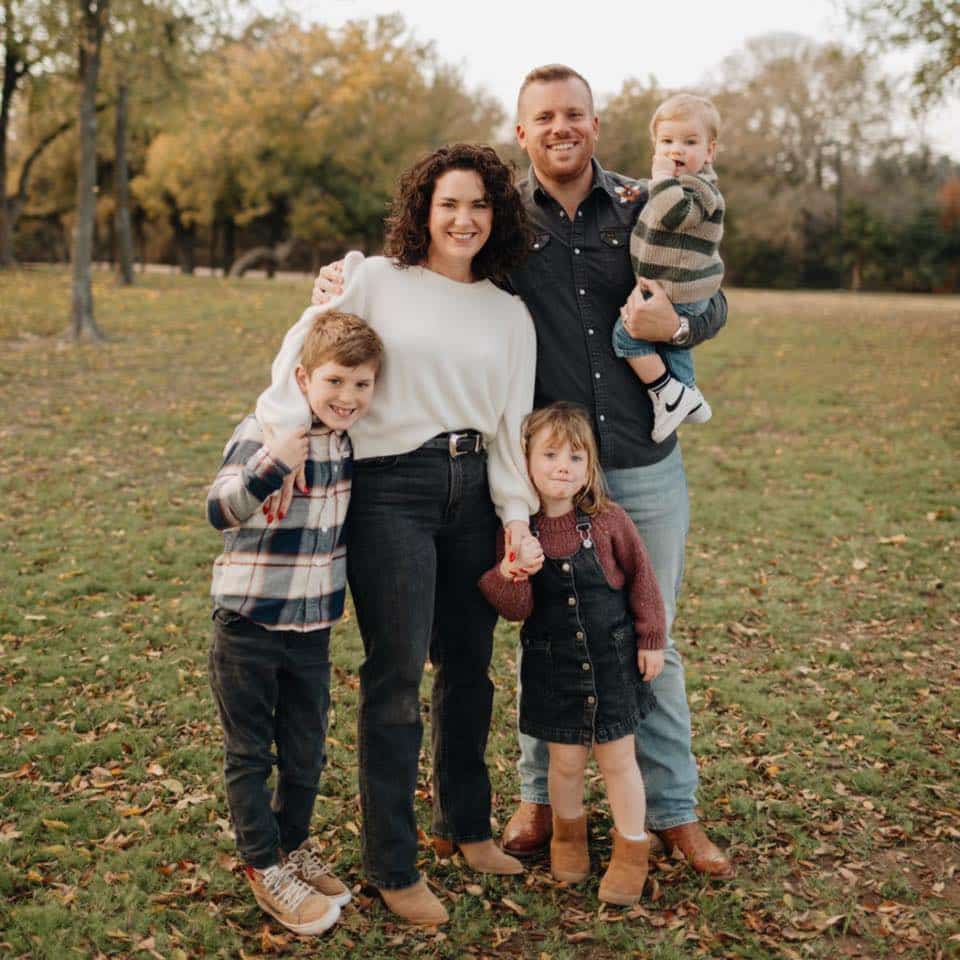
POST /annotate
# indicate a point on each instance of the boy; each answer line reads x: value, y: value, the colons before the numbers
x: 277, y: 589
x: 675, y: 241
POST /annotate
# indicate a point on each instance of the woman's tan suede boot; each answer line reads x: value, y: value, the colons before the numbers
x: 623, y: 882
x: 415, y: 904
x: 569, y: 856
x: 485, y: 856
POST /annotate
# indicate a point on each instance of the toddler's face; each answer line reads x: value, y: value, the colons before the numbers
x: 338, y: 395
x: 686, y: 143
x: 558, y: 471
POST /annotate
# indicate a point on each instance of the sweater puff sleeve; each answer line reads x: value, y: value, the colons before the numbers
x: 686, y: 201
x: 643, y: 591
x: 512, y: 599
x: 282, y: 406
x: 510, y: 489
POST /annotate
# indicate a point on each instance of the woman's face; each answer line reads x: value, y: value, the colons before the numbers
x: 461, y: 218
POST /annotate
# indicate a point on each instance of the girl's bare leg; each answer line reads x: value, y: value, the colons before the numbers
x: 628, y: 801
x: 565, y: 779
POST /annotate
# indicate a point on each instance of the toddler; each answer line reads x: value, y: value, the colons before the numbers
x: 675, y: 242
x: 592, y: 639
x: 277, y: 589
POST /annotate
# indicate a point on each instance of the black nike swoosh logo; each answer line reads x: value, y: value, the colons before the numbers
x: 673, y: 406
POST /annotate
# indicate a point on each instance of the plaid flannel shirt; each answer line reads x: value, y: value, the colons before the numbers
x: 289, y: 574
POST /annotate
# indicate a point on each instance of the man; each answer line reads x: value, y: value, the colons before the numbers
x: 576, y: 280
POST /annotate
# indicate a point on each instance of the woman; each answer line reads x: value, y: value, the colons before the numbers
x: 438, y: 459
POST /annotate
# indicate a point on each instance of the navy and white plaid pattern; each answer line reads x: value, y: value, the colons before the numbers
x: 289, y: 574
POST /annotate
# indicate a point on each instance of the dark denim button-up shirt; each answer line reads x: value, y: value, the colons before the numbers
x: 575, y: 281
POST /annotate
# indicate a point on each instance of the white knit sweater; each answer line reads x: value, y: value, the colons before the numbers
x: 458, y: 356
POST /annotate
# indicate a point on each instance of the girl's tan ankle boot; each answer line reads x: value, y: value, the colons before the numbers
x: 569, y: 856
x: 623, y: 882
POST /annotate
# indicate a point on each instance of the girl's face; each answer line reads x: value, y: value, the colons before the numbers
x: 460, y: 221
x: 558, y: 471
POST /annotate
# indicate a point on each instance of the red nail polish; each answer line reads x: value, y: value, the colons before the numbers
x: 280, y: 514
x: 511, y: 557
x: 269, y: 518
x: 266, y: 509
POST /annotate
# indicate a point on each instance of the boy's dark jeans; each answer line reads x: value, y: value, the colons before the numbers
x: 271, y: 686
x: 421, y: 532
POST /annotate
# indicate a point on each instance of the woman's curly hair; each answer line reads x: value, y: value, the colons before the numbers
x: 407, y: 234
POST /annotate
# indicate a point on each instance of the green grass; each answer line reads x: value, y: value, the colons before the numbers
x: 819, y: 622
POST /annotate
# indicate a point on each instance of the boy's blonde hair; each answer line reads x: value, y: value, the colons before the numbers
x: 342, y: 338
x: 683, y: 105
x: 568, y: 422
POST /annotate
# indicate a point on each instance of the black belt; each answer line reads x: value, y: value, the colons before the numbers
x: 456, y: 444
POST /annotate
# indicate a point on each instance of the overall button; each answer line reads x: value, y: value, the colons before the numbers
x: 565, y: 567
x: 591, y: 699
x: 586, y: 666
x: 579, y: 634
x: 571, y: 601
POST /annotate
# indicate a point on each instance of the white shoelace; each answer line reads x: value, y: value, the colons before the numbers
x: 308, y: 862
x: 284, y: 884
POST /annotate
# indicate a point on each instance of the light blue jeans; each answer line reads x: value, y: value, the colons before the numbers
x: 678, y: 360
x: 655, y: 497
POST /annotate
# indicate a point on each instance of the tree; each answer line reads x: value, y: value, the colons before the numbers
x: 92, y: 24
x: 931, y: 26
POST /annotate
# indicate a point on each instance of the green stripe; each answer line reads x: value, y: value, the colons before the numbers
x: 653, y: 271
x: 674, y: 241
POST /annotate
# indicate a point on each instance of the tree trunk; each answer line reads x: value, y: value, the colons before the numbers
x: 13, y: 70
x: 93, y: 17
x: 122, y: 174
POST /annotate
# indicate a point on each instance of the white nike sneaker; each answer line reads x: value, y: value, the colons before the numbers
x: 671, y: 406
x: 699, y: 414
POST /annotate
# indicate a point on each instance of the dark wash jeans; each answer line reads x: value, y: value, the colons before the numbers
x: 420, y: 533
x: 270, y: 686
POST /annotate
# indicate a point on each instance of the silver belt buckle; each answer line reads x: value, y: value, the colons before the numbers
x: 452, y: 439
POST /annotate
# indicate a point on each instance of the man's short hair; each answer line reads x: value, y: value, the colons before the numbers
x: 683, y: 105
x: 550, y: 73
x: 341, y: 338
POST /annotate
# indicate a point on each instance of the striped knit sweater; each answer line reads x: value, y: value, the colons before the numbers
x: 677, y: 236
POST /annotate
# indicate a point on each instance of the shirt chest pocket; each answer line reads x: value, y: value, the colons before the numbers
x: 540, y: 266
x: 615, y: 255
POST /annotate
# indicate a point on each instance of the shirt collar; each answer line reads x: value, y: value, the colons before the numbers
x: 601, y: 181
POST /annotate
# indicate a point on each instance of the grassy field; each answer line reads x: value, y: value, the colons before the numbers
x: 819, y: 622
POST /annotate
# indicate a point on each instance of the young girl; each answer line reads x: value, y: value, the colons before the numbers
x: 592, y: 638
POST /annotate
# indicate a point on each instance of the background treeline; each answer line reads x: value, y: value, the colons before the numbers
x: 278, y: 145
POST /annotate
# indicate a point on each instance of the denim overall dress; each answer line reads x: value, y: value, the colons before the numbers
x: 579, y: 677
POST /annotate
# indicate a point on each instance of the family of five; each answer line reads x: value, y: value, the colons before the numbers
x: 406, y: 393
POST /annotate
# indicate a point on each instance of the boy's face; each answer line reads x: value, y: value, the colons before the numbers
x: 338, y: 395
x: 685, y: 143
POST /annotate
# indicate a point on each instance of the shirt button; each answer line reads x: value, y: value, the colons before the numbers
x: 615, y: 241
x: 586, y: 666
x: 576, y: 249
x: 597, y: 374
x: 602, y: 418
x: 583, y: 292
x: 579, y: 213
x: 590, y: 331
x: 565, y: 567
x: 536, y: 246
x: 571, y: 601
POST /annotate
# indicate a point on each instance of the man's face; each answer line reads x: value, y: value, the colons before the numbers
x: 558, y: 129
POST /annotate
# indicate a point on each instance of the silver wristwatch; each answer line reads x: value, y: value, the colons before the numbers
x: 682, y: 337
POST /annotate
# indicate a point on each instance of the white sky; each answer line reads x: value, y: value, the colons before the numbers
x: 495, y: 42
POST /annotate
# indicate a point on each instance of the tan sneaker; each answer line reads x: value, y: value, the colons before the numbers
x: 311, y: 869
x: 290, y: 901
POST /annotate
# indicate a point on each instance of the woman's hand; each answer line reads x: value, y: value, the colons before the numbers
x: 650, y: 663
x: 329, y: 283
x: 295, y: 445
